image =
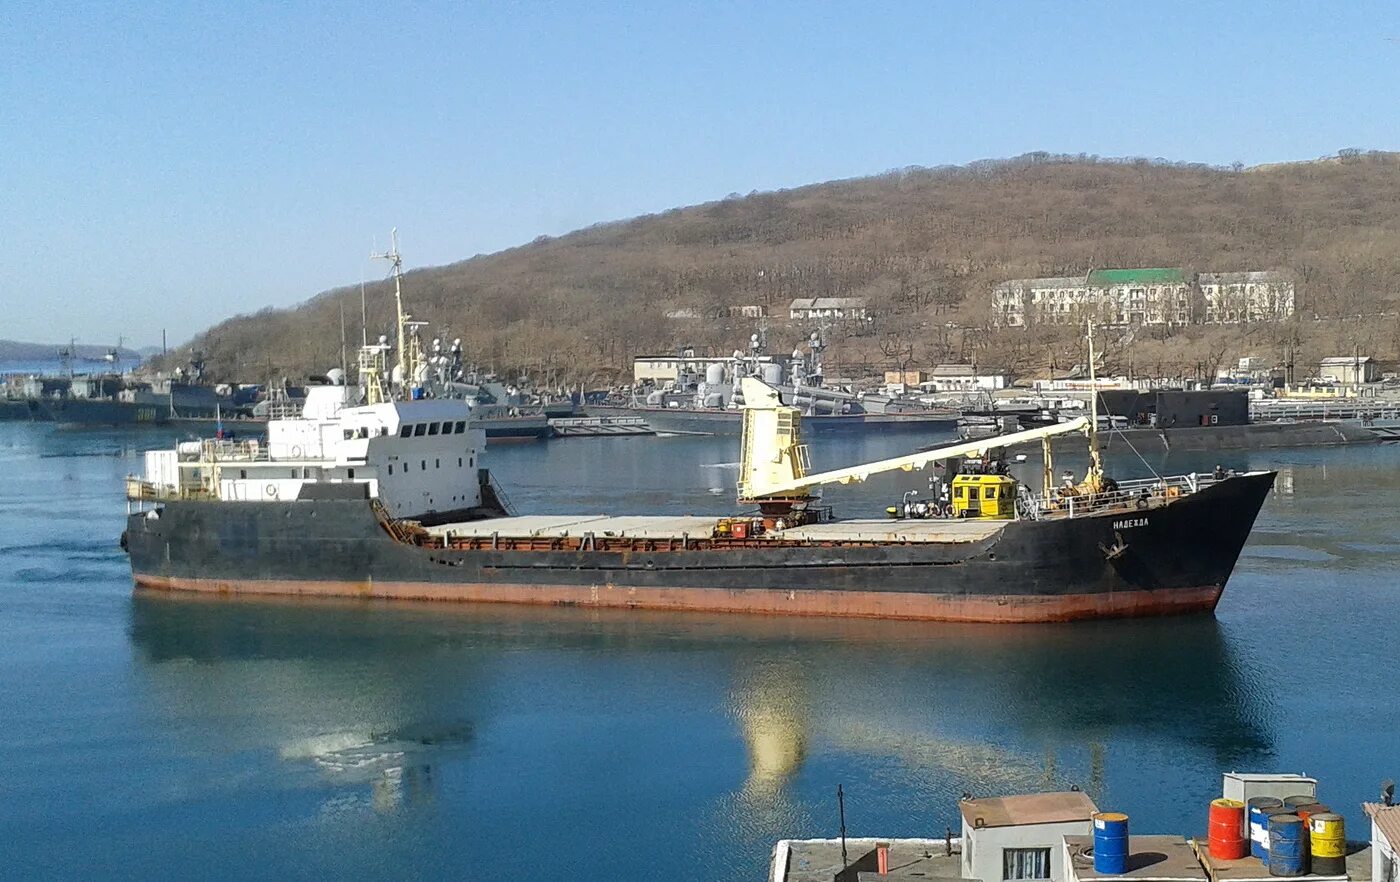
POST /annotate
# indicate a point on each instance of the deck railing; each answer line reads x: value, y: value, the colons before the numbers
x: 1140, y: 494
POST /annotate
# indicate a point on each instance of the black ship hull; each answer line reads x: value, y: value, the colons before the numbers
x: 1168, y: 560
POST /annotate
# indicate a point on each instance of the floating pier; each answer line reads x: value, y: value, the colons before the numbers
x: 596, y: 427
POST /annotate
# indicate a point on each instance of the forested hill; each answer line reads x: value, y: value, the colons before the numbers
x: 925, y: 246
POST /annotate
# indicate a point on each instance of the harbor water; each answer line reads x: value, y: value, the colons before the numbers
x: 158, y: 737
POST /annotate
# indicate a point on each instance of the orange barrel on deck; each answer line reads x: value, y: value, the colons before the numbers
x: 1305, y: 812
x: 1328, y: 837
x: 1227, y: 840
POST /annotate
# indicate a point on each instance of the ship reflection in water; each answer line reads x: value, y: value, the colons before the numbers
x: 376, y: 703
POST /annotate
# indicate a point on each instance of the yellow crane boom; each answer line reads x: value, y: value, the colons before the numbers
x: 773, y: 463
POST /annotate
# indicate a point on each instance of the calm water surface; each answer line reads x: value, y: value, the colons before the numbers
x: 162, y: 738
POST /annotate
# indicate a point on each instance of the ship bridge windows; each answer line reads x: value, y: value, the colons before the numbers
x: 460, y: 426
x: 433, y: 428
x: 420, y: 429
x: 405, y: 430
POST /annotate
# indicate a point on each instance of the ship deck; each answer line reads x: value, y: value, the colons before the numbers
x: 666, y: 527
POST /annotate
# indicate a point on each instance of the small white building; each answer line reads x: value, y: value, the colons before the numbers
x: 962, y: 378
x: 1022, y: 837
x: 1385, y: 841
x: 841, y: 308
x: 1349, y: 370
x: 663, y: 369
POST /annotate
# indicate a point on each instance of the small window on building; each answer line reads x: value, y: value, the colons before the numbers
x: 242, y: 473
x: 459, y: 462
x: 391, y: 468
x: 433, y: 428
x: 350, y: 473
x: 294, y: 473
x: 405, y: 431
x: 419, y: 429
x: 1025, y: 863
x: 437, y: 463
x: 989, y: 493
x: 423, y: 466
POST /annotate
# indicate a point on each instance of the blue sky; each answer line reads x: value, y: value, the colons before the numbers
x: 171, y: 164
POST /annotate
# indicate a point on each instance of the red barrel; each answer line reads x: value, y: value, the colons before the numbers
x: 1227, y: 840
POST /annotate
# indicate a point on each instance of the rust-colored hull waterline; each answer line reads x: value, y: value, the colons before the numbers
x: 1170, y: 560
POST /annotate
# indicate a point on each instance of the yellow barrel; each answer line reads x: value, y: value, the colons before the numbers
x: 1327, y: 837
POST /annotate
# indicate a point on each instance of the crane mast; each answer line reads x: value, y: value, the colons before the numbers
x: 774, y: 463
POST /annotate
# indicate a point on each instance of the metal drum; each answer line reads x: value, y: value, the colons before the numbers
x: 1304, y: 812
x: 1259, y: 809
x: 1328, y: 835
x: 1226, y: 837
x: 1292, y: 802
x: 1286, y: 845
x: 1110, y: 843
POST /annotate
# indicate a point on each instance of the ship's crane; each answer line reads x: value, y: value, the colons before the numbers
x: 774, y: 466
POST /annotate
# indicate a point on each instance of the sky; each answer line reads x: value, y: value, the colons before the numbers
x: 165, y: 165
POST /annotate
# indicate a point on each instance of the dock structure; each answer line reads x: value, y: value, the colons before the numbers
x: 821, y: 860
x: 1372, y: 409
x: 1050, y: 837
x: 1150, y: 859
x: 598, y: 427
x: 1252, y: 869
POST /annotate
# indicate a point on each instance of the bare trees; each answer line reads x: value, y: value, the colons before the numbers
x: 924, y: 246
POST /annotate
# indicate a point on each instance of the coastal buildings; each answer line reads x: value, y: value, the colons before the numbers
x: 840, y: 308
x: 1246, y: 297
x: 1149, y: 296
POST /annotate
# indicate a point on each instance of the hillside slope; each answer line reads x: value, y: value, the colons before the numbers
x: 924, y: 245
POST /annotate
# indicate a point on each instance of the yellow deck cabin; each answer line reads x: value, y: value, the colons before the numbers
x: 989, y: 497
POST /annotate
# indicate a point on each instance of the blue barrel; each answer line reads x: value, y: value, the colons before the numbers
x: 1260, y: 807
x: 1110, y: 843
x: 1286, y: 845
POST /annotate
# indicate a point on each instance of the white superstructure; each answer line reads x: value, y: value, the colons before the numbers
x: 415, y: 457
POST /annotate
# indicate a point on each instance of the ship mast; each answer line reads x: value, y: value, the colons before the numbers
x: 1095, y: 461
x: 407, y: 368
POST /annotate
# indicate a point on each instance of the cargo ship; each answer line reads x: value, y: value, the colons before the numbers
x: 383, y: 495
